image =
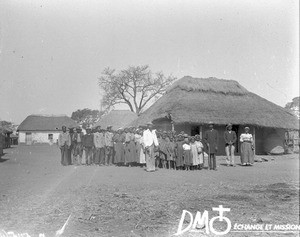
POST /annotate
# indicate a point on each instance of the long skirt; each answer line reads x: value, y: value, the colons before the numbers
x: 150, y: 159
x: 247, y: 155
x: 119, y: 152
x: 137, y: 152
x: 195, y: 155
x: 129, y: 152
x: 179, y: 158
x: 65, y: 155
x: 187, y: 157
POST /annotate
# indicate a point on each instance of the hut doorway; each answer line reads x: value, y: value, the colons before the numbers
x: 195, y: 130
x: 28, y: 138
x: 236, y: 129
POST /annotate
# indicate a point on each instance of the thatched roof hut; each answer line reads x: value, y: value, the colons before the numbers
x: 46, y: 123
x: 191, y: 103
x: 201, y: 100
x: 116, y: 119
x: 43, y: 128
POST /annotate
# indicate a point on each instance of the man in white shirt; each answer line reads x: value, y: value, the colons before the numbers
x: 109, y: 146
x: 149, y: 142
x: 99, y: 143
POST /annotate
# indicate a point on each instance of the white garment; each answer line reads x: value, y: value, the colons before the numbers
x: 149, y: 138
x: 99, y: 140
x: 200, y: 151
x: 186, y: 147
x: 246, y: 137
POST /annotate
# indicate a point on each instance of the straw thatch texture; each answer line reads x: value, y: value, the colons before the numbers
x: 199, y: 101
x: 117, y: 119
x: 46, y: 123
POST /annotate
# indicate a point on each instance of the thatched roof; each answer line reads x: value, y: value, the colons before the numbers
x: 117, y: 119
x: 46, y: 123
x: 201, y: 100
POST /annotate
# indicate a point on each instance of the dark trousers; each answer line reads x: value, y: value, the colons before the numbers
x: 108, y: 155
x: 100, y: 156
x: 88, y: 155
x: 212, y: 162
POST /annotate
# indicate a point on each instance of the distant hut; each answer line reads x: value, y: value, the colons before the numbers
x: 43, y: 128
x: 116, y: 119
x: 191, y: 103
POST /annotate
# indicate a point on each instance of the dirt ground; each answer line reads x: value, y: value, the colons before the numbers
x: 37, y: 195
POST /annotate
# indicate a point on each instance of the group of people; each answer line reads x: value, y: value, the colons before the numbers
x: 144, y: 146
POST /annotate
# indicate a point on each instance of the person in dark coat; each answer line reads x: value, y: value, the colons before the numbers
x: 70, y: 151
x: 211, y: 139
x: 77, y: 139
x: 119, y: 139
x: 88, y: 144
x: 230, y: 140
x: 179, y: 152
x: 64, y: 143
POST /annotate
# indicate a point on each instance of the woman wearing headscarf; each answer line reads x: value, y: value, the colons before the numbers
x: 247, y: 147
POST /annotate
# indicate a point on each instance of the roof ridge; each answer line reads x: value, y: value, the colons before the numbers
x: 48, y: 115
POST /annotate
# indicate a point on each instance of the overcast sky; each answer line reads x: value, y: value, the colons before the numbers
x: 53, y: 51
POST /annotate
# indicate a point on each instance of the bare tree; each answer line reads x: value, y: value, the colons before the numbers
x: 135, y: 86
x: 86, y: 117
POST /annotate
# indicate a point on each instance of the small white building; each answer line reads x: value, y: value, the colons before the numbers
x: 43, y: 128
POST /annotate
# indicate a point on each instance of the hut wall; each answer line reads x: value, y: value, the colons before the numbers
x: 39, y: 137
x: 22, y: 137
x: 186, y: 128
x: 163, y: 125
x: 259, y: 140
x: 273, y: 137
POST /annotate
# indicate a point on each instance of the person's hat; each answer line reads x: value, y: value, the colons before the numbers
x: 247, y: 128
x: 149, y: 123
x: 210, y: 123
x: 228, y: 125
x: 185, y: 135
x: 109, y: 126
x: 88, y: 128
x: 78, y: 128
